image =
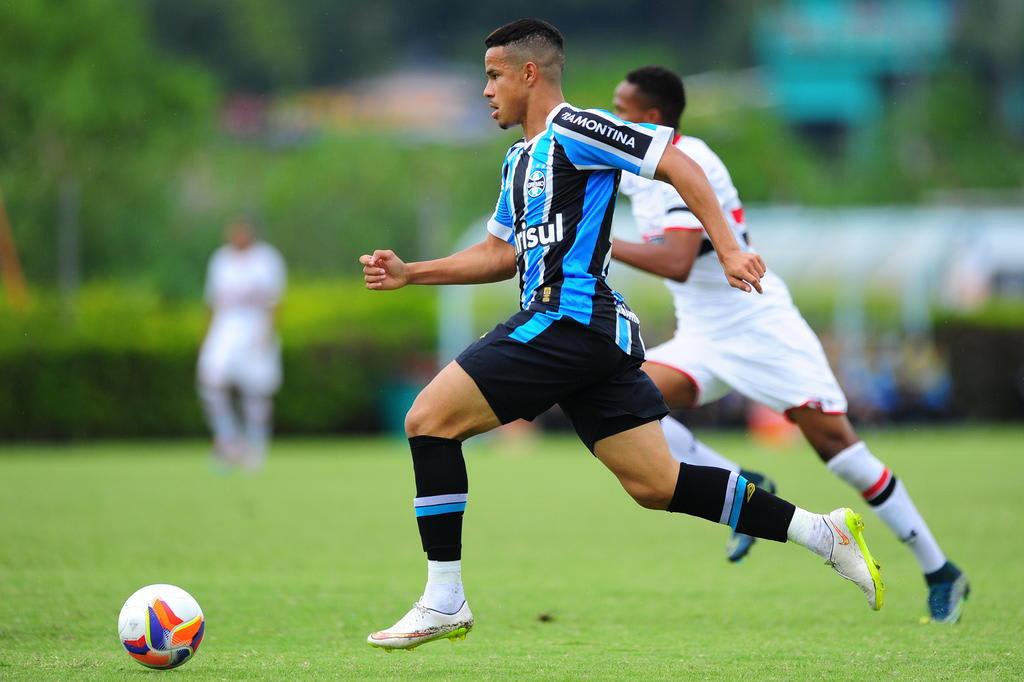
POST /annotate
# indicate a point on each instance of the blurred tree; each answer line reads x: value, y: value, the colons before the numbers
x: 262, y: 45
x: 90, y: 113
x: 254, y: 45
x: 991, y: 38
x: 95, y: 122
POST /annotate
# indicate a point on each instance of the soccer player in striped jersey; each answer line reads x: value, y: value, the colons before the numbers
x: 574, y: 342
x: 759, y: 346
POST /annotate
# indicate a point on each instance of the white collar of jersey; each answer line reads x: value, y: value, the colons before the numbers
x: 551, y: 114
x: 547, y: 122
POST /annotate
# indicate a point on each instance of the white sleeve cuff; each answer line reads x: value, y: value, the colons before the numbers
x: 681, y: 221
x: 502, y: 232
x: 661, y: 139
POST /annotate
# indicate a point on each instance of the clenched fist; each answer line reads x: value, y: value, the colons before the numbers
x: 384, y: 271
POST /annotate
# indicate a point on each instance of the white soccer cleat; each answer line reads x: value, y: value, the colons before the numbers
x: 423, y: 625
x: 850, y: 556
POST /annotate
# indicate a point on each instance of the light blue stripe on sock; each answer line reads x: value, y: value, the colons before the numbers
x: 737, y: 501
x: 441, y: 509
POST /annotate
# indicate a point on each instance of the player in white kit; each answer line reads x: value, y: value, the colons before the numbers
x: 244, y: 284
x: 759, y: 346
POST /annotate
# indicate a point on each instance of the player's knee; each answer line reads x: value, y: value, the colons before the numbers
x: 423, y: 419
x: 828, y: 434
x: 832, y: 440
x: 418, y: 421
x: 649, y: 494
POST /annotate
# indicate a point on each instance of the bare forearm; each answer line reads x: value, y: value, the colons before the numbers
x: 686, y: 176
x: 652, y: 258
x: 479, y: 264
x: 743, y: 270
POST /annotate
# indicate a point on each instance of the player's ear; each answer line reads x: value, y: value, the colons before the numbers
x: 531, y: 73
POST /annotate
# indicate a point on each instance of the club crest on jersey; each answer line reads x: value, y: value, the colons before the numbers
x: 535, y: 184
x: 544, y: 234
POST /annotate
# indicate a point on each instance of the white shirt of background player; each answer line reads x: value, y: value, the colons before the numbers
x: 244, y: 284
x: 243, y: 287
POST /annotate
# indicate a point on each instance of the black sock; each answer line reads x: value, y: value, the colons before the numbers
x: 764, y: 515
x: 946, y: 573
x: 442, y: 488
x: 726, y: 497
x: 753, y: 476
x: 700, y: 491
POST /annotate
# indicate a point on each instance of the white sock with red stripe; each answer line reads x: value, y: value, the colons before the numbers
x: 685, y: 447
x: 889, y: 498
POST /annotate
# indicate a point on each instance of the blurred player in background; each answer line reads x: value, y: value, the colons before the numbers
x: 759, y: 346
x: 244, y: 284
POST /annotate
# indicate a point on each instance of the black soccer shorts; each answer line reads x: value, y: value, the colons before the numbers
x: 601, y: 389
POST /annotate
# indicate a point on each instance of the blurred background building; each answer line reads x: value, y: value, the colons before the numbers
x: 879, y: 145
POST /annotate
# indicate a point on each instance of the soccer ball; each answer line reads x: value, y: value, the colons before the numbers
x: 161, y: 626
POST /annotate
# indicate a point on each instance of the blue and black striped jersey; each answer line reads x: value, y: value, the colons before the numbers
x: 557, y: 197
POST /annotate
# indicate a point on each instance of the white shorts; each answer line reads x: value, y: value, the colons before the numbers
x: 776, y: 360
x: 251, y: 365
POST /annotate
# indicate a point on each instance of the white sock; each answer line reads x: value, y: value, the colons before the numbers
x: 257, y: 410
x: 900, y: 514
x: 889, y: 499
x: 686, y: 448
x: 219, y: 414
x: 810, y: 530
x: 444, y: 591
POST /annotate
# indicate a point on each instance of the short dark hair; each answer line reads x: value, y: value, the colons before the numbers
x: 663, y: 89
x: 523, y: 29
x: 535, y: 40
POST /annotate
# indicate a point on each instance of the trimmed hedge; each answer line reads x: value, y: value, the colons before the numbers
x: 986, y: 358
x: 124, y: 365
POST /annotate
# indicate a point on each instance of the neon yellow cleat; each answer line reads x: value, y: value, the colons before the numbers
x: 421, y: 625
x: 851, y: 557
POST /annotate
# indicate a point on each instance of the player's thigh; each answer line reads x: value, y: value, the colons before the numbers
x: 618, y: 419
x: 621, y: 398
x: 640, y: 459
x: 451, y: 406
x: 259, y: 372
x: 530, y: 362
x: 829, y: 434
x: 214, y: 365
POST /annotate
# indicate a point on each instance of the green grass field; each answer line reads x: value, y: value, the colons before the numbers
x: 293, y: 567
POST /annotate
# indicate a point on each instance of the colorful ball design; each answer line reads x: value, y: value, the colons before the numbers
x: 161, y: 626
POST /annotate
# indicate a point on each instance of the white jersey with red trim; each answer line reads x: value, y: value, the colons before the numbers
x: 705, y: 299
x: 727, y: 340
